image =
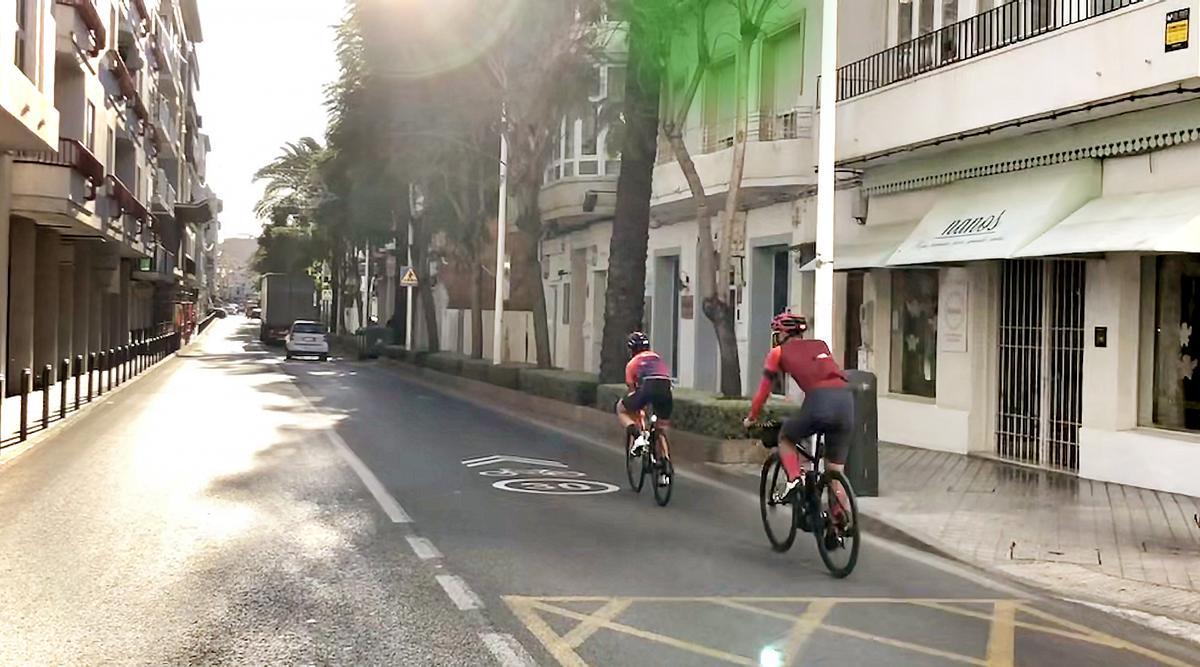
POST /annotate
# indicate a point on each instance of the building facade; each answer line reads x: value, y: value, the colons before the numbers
x: 92, y: 173
x: 1015, y: 242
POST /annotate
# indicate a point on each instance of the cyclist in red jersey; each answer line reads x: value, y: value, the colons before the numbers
x: 828, y: 406
x: 649, y: 381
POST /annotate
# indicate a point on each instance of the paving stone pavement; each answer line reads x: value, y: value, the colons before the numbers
x: 1107, y: 543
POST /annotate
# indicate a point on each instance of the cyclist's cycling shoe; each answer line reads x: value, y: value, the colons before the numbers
x: 789, y: 492
x: 639, y: 446
x: 664, y: 480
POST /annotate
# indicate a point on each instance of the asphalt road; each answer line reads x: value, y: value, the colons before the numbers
x: 230, y: 507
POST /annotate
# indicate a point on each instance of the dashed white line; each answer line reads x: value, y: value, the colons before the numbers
x: 423, y: 548
x: 390, y: 507
x: 507, y: 650
x: 460, y: 594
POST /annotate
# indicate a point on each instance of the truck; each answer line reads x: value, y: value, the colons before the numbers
x: 285, y: 298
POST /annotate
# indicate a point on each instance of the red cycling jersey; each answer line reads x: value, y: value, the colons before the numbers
x: 808, y: 362
x: 645, y: 366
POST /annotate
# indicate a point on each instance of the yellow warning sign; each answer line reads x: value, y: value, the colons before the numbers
x: 1177, y: 30
x: 408, y: 278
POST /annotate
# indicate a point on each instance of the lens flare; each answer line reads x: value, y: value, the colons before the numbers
x: 435, y: 36
x: 770, y: 657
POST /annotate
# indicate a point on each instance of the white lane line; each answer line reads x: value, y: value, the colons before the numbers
x: 423, y: 548
x: 460, y: 594
x: 390, y: 507
x: 507, y: 650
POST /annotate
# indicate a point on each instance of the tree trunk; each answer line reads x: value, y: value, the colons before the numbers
x: 477, y: 278
x: 541, y: 326
x: 335, y: 285
x: 720, y: 307
x: 420, y: 255
x: 624, y: 303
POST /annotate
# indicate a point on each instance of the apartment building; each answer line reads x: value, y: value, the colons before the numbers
x: 1020, y: 267
x: 92, y: 224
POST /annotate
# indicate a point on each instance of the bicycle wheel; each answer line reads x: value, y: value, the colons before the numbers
x: 837, y: 540
x: 779, y: 519
x: 663, y: 472
x: 635, y: 468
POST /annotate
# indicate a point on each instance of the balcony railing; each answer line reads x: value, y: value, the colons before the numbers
x: 71, y: 154
x: 126, y: 201
x: 91, y: 18
x: 1010, y: 23
x: 794, y: 123
x: 143, y: 15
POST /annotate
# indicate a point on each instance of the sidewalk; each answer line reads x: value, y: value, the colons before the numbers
x: 1109, y: 544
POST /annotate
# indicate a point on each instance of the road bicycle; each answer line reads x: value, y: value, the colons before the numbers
x: 651, y: 462
x: 814, y: 507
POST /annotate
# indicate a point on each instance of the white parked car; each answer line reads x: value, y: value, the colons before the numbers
x: 306, y: 338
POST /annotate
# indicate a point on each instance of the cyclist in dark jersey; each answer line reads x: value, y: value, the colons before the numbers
x: 649, y: 381
x: 828, y: 406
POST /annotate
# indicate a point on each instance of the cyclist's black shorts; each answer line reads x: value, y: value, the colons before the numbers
x: 655, y: 392
x: 828, y: 411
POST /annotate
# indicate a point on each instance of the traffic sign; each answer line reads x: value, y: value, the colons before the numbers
x: 408, y: 277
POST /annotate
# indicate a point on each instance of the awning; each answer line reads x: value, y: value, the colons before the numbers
x: 994, y: 217
x: 869, y: 249
x: 1146, y: 222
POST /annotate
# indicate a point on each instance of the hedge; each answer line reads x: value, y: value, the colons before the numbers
x: 507, y: 375
x: 701, y: 412
x: 567, y: 386
x: 475, y: 369
x: 444, y: 362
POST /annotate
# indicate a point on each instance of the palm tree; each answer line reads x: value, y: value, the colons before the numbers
x: 293, y: 182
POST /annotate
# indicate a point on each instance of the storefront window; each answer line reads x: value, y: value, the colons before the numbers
x: 1176, y: 397
x: 914, y: 332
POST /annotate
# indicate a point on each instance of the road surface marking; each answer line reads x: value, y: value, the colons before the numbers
x: 609, y: 612
x: 423, y: 548
x: 390, y: 507
x: 1002, y: 637
x: 555, y: 646
x: 507, y: 458
x: 556, y: 487
x: 460, y: 594
x: 1097, y: 637
x: 807, y: 623
x: 507, y: 650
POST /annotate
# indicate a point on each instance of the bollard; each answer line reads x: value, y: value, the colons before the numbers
x: 103, y: 359
x: 26, y: 387
x: 3, y: 396
x: 65, y: 374
x: 47, y: 374
x: 111, y: 367
x: 91, y: 368
x: 78, y: 379
x: 120, y: 365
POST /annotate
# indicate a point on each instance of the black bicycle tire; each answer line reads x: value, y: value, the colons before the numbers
x: 662, y: 494
x: 770, y: 471
x: 632, y: 462
x: 821, y: 518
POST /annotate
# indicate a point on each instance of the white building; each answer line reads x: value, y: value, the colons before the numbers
x: 87, y: 200
x: 1031, y: 183
x: 1018, y: 184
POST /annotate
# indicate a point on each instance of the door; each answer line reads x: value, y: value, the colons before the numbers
x: 577, y: 310
x: 599, y: 294
x: 854, y: 307
x: 1040, y: 366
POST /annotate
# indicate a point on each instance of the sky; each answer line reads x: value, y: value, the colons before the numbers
x: 263, y: 68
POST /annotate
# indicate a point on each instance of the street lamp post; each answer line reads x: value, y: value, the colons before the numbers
x: 823, y: 297
x: 416, y: 202
x: 501, y: 225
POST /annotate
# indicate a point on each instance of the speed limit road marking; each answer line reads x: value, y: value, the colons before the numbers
x: 556, y: 487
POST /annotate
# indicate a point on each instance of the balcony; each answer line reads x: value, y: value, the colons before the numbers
x: 127, y: 204
x: 128, y: 85
x: 780, y: 161
x: 159, y: 266
x: 80, y: 17
x: 28, y: 118
x: 1018, y: 62
x: 164, y: 199
x: 58, y: 187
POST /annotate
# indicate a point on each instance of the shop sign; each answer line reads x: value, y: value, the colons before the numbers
x: 952, y: 312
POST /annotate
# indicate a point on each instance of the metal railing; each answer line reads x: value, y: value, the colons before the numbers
x: 1010, y: 23
x: 93, y: 374
x: 71, y: 154
x: 91, y: 18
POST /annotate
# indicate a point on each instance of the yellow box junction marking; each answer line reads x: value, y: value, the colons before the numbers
x: 1004, y: 619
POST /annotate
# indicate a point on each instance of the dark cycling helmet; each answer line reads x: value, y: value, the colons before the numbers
x: 637, y: 342
x: 788, y: 324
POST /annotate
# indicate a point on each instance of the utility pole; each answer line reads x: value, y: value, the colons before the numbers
x: 826, y: 156
x: 501, y: 227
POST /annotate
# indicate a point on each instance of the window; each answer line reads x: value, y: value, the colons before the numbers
x: 589, y: 132
x: 914, y: 332
x: 719, y: 105
x: 904, y: 22
x: 89, y: 127
x: 782, y: 82
x: 111, y: 148
x: 616, y: 83
x: 20, y: 57
x: 1176, y: 384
